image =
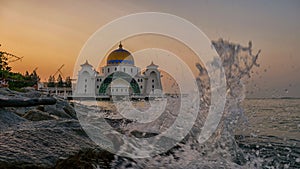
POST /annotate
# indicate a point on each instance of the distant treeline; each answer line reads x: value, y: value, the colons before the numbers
x: 59, y: 82
x: 16, y: 81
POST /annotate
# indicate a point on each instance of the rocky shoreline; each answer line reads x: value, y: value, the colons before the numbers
x: 45, y: 136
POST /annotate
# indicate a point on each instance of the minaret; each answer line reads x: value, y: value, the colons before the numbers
x: 85, y: 86
x: 153, y: 82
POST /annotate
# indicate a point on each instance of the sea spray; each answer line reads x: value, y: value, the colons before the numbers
x: 221, y: 150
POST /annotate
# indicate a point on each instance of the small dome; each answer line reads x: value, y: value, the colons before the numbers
x: 120, y: 56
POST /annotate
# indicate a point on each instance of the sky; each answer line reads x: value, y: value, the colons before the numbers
x: 51, y: 33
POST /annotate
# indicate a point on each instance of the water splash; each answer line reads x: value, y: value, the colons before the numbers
x: 221, y: 150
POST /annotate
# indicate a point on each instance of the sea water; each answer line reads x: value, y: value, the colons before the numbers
x: 272, y: 132
x: 268, y: 137
x: 256, y: 133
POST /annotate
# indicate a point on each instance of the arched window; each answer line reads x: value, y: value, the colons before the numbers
x: 124, y: 69
x: 107, y: 70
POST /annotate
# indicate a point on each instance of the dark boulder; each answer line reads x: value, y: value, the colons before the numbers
x: 87, y: 158
x: 25, y: 102
x: 56, y: 111
x: 37, y: 115
x: 41, y: 144
x: 9, y: 119
x: 44, y: 136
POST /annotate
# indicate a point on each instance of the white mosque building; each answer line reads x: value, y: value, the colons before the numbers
x: 119, y: 78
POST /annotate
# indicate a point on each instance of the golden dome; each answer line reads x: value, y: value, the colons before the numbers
x: 120, y: 56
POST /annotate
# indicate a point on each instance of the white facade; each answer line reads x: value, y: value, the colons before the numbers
x: 120, y: 77
x: 85, y: 85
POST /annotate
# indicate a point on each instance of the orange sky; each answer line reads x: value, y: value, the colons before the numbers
x: 51, y: 33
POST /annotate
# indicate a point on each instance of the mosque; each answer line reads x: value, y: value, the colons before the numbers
x: 119, y: 78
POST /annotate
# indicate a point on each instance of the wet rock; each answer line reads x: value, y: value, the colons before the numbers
x: 20, y: 111
x: 31, y: 92
x: 117, y: 123
x: 40, y: 136
x: 67, y: 107
x: 41, y: 144
x: 139, y: 134
x: 61, y: 109
x: 9, y: 98
x: 37, y: 115
x: 54, y: 110
x: 70, y: 111
x: 25, y: 102
x: 41, y: 107
x: 9, y: 119
x: 7, y: 92
x: 87, y: 158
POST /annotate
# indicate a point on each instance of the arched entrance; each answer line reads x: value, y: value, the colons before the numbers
x: 116, y: 75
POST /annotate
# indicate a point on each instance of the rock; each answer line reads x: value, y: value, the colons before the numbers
x: 139, y: 134
x: 117, y: 123
x: 20, y: 111
x: 66, y: 106
x: 28, y: 89
x: 9, y: 98
x: 40, y: 107
x: 9, y: 119
x: 54, y: 110
x: 31, y: 92
x: 41, y: 144
x: 43, y: 136
x: 25, y: 102
x: 37, y: 115
x: 7, y: 92
x: 87, y: 158
x: 70, y: 111
x: 61, y: 109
